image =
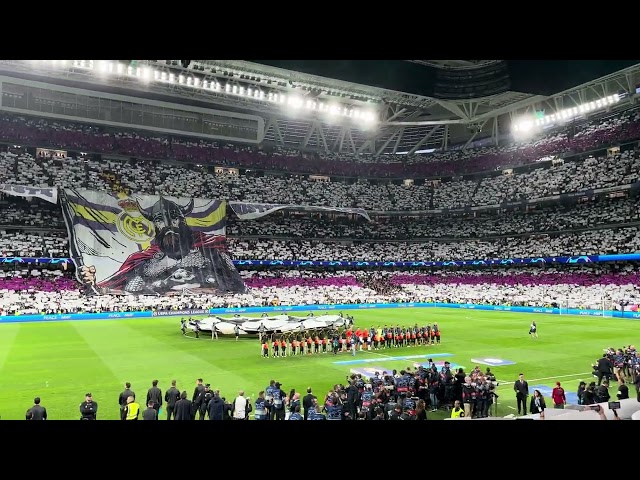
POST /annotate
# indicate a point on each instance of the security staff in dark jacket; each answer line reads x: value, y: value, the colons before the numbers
x: 88, y: 408
x: 37, y: 412
x: 171, y: 396
x: 207, y: 396
x: 155, y: 395
x: 197, y: 398
x: 183, y: 408
x: 604, y: 369
x: 353, y: 396
x: 307, y: 402
x: 150, y: 413
x: 216, y: 407
x: 122, y: 399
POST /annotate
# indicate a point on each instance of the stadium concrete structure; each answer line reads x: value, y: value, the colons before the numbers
x: 266, y: 105
x: 267, y: 108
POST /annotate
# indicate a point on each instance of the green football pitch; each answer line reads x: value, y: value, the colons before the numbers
x: 61, y: 361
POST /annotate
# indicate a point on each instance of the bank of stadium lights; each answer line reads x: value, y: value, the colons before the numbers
x: 526, y: 124
x: 292, y: 101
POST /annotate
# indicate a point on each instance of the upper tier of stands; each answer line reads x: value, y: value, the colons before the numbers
x: 93, y: 139
x: 176, y: 180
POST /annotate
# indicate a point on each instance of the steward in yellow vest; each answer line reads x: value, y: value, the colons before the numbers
x: 132, y: 410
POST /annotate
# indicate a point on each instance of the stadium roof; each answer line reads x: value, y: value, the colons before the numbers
x: 417, y: 103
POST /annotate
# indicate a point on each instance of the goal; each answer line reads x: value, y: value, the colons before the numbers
x: 608, y: 307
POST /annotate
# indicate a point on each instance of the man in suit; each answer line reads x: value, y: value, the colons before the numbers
x: 307, y: 402
x: 38, y: 412
x: 155, y: 395
x: 604, y: 369
x: 521, y: 387
x: 122, y: 399
x: 171, y: 396
x: 198, y: 397
x: 183, y: 408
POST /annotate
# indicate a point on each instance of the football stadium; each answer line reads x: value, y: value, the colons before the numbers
x: 282, y: 240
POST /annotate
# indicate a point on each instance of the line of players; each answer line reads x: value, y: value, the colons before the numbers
x: 349, y: 340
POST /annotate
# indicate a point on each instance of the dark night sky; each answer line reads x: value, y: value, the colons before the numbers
x: 543, y: 77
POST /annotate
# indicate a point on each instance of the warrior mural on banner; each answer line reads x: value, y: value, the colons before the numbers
x: 149, y: 245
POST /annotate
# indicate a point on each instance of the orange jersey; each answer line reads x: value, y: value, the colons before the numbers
x: 265, y: 346
x: 283, y: 344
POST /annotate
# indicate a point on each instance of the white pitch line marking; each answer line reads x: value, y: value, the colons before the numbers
x: 375, y: 353
x: 512, y: 408
x: 546, y: 378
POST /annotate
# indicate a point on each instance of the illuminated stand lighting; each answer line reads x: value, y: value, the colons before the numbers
x: 526, y: 125
x: 292, y: 101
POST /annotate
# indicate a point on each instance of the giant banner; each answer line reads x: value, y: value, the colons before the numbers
x: 50, y: 194
x: 251, y: 211
x: 148, y: 245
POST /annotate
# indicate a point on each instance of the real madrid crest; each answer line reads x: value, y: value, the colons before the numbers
x: 133, y: 225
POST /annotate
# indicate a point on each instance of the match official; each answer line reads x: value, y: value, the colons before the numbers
x: 37, y: 412
x: 88, y: 408
x: 171, y: 397
x: 155, y: 395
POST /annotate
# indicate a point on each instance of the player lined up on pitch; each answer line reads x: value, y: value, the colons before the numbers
x: 350, y: 340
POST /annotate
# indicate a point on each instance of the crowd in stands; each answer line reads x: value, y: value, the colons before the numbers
x: 550, y: 219
x: 41, y: 214
x: 33, y: 291
x: 19, y: 243
x: 172, y: 179
x: 590, y: 242
x: 93, y: 139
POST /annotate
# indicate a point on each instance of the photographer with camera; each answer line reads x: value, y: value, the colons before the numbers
x: 334, y: 407
x: 366, y: 402
x: 492, y: 396
x: 468, y: 397
x: 589, y: 395
x: 277, y: 410
x: 602, y: 393
x: 482, y: 394
x: 434, y: 387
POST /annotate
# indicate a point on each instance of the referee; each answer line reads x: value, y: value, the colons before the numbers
x: 37, y: 412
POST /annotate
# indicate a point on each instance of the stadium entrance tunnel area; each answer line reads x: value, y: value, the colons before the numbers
x: 60, y: 361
